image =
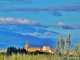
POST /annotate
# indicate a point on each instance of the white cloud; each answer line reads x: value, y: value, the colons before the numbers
x: 21, y: 22
x: 61, y: 24
x: 27, y: 22
x: 66, y: 26
x: 16, y: 21
x: 36, y: 34
x: 42, y: 35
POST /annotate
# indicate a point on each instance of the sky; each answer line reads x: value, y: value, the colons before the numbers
x: 40, y: 18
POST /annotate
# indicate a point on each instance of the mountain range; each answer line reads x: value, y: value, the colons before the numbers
x: 18, y: 40
x: 14, y: 37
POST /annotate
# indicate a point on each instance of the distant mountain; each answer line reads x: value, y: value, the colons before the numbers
x: 25, y: 29
x: 18, y: 40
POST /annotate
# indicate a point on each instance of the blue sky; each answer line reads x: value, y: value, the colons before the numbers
x: 40, y: 18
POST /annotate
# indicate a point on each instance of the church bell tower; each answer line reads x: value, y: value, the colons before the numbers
x: 26, y: 46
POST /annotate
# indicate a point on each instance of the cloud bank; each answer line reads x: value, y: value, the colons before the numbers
x: 54, y: 9
x: 19, y: 21
x: 66, y: 26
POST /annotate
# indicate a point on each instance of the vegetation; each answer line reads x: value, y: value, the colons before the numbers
x: 14, y: 50
x: 35, y: 57
x: 62, y: 44
x: 58, y: 49
x: 68, y: 43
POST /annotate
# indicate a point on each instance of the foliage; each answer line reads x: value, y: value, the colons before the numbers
x: 14, y: 53
x: 76, y: 49
x: 57, y: 48
x: 35, y: 57
x: 68, y: 43
x: 2, y: 53
x: 14, y: 50
x: 62, y: 43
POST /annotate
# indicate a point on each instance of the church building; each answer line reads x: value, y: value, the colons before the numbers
x: 33, y: 49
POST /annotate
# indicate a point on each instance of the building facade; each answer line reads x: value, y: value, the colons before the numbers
x: 33, y: 49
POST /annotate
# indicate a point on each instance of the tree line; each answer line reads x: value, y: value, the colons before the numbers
x: 15, y: 50
x: 65, y: 44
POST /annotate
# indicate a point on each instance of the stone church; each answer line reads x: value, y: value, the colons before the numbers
x: 44, y: 49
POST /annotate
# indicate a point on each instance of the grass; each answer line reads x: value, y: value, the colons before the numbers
x: 34, y: 57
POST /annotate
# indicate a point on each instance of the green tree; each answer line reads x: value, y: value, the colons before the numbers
x: 78, y: 51
x: 57, y: 48
x: 76, y: 48
x: 68, y: 43
x: 79, y: 43
x: 10, y: 50
x: 62, y: 43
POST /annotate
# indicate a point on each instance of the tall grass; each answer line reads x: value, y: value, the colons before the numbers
x: 34, y: 57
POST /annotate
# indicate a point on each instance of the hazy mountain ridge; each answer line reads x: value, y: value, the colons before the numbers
x: 14, y: 39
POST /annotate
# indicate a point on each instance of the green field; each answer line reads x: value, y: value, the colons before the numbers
x: 35, y: 57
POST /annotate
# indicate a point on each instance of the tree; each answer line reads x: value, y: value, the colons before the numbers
x: 62, y: 43
x: 14, y: 50
x: 11, y: 50
x: 76, y: 48
x: 79, y: 43
x: 57, y: 48
x: 23, y: 51
x: 68, y: 43
x: 19, y: 50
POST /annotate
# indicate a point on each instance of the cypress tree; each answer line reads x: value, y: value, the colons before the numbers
x: 68, y: 43
x: 62, y: 43
x: 57, y: 48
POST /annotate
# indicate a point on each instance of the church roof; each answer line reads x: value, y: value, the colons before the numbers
x: 34, y: 48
